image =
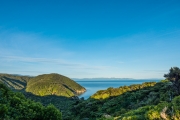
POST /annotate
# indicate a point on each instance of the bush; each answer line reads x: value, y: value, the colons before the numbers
x: 16, y: 106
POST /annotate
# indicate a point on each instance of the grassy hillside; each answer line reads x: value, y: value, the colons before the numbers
x: 54, y: 84
x: 60, y: 89
x: 14, y: 106
x: 47, y: 84
x: 147, y: 101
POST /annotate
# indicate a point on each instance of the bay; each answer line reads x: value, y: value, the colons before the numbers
x: 92, y: 86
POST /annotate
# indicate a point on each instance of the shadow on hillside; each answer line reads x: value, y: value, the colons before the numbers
x: 14, y: 83
x: 46, y: 99
x: 61, y: 102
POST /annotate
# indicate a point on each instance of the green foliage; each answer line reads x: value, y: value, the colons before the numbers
x: 16, y: 106
x: 162, y: 111
x: 110, y: 92
x: 62, y: 103
x: 174, y: 77
x: 134, y: 102
x: 51, y: 113
x: 53, y: 84
x: 42, y: 85
x: 59, y: 83
x: 147, y: 101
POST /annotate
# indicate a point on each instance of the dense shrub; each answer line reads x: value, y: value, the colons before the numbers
x: 16, y: 106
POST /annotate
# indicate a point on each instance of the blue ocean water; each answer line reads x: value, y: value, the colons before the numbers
x: 92, y: 86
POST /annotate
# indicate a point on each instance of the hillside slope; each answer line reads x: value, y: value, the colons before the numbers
x: 14, y: 106
x: 147, y: 101
x: 54, y: 84
x: 14, y: 82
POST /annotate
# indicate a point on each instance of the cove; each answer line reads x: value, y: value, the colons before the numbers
x: 92, y: 86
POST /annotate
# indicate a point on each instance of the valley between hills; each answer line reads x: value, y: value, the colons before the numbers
x: 54, y: 97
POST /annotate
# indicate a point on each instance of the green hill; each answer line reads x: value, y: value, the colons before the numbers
x: 147, y: 101
x: 14, y: 82
x: 46, y: 84
x: 54, y: 84
x: 60, y: 89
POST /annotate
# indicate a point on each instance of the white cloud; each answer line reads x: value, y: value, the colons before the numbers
x: 58, y: 62
x: 22, y: 43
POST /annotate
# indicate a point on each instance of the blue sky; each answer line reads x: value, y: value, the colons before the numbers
x: 90, y: 38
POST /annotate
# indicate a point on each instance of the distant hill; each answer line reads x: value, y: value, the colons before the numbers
x: 14, y: 82
x: 42, y: 85
x: 102, y: 79
x: 54, y: 84
x: 95, y: 79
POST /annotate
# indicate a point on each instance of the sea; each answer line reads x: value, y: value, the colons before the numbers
x: 92, y: 86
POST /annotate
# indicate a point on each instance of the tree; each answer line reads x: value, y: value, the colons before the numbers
x: 14, y: 106
x: 174, y: 77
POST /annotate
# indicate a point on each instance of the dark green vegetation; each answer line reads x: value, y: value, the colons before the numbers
x: 174, y: 77
x: 147, y: 101
x: 54, y: 84
x: 58, y: 90
x: 42, y: 85
x: 14, y: 106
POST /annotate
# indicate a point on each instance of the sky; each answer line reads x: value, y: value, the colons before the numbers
x: 90, y: 38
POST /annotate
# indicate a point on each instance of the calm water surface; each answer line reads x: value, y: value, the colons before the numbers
x: 92, y: 86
